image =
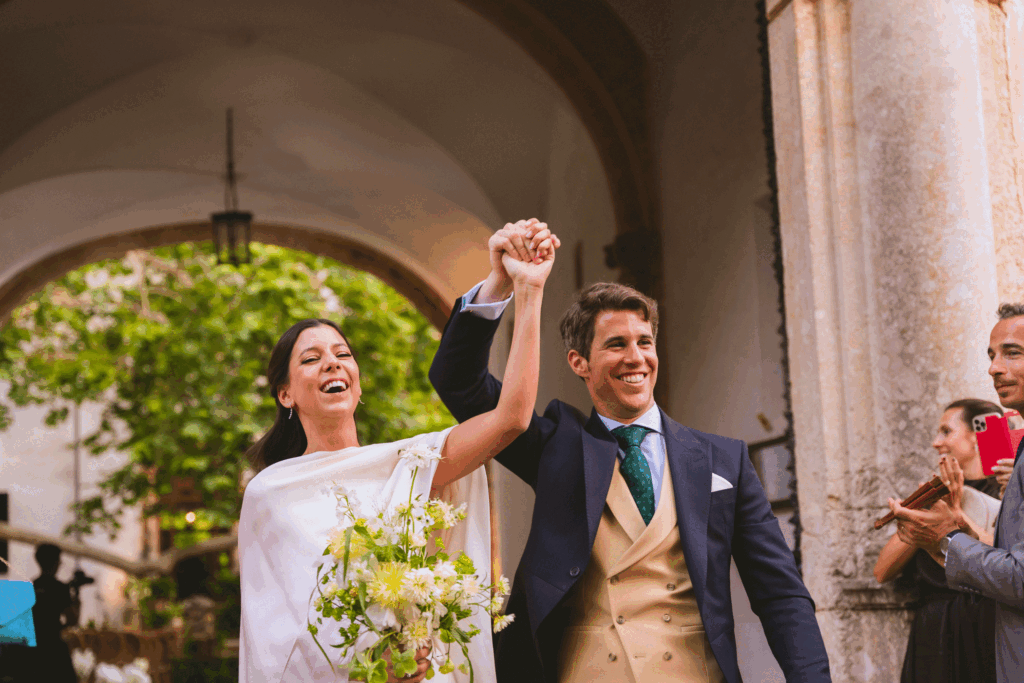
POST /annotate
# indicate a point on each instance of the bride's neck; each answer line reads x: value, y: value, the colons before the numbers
x: 330, y: 434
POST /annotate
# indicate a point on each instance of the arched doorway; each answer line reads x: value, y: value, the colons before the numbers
x: 421, y: 288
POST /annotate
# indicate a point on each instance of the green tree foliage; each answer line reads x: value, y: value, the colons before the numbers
x: 175, y: 348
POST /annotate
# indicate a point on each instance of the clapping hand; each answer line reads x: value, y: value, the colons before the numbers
x: 923, y: 528
x: 953, y: 477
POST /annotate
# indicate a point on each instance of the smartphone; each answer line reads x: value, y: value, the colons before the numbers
x: 995, y: 439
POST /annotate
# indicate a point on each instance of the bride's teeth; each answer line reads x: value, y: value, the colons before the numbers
x: 336, y: 384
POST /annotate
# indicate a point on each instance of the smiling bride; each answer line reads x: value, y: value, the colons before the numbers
x: 288, y: 511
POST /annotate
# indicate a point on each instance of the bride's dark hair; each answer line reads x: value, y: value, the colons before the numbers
x: 286, y: 439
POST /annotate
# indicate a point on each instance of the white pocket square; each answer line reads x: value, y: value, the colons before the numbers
x: 719, y: 483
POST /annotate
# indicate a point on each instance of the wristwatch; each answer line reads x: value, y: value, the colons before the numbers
x: 944, y: 541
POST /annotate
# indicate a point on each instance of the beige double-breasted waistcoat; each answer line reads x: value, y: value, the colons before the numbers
x: 634, y: 615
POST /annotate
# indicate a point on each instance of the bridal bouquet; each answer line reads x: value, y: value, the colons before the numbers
x: 391, y: 589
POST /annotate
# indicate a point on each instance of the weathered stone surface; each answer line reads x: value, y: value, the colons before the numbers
x: 889, y: 118
x: 865, y: 645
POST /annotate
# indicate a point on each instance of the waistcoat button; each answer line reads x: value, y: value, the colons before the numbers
x: 620, y: 620
x: 667, y: 618
x: 671, y: 586
x: 612, y: 657
x: 575, y: 571
x: 667, y: 656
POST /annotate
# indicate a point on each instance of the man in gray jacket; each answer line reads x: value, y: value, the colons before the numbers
x: 972, y: 566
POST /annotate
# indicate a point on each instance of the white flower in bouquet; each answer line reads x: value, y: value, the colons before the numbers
x: 442, y: 514
x: 347, y: 501
x: 445, y: 570
x: 83, y: 661
x: 495, y: 605
x: 503, y: 620
x: 419, y: 455
x: 466, y: 588
x: 418, y: 586
x: 382, y: 617
x: 108, y: 673
x: 417, y: 633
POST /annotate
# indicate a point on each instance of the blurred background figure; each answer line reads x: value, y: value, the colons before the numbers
x: 952, y: 637
x: 57, y: 607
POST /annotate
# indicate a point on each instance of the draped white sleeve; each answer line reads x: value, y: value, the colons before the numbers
x: 287, y: 513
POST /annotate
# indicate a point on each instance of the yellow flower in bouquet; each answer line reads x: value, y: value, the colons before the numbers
x: 386, y: 586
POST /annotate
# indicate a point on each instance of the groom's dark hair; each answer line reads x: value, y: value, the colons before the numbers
x: 577, y: 324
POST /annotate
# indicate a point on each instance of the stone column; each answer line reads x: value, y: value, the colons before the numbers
x: 889, y: 274
x: 1001, y: 51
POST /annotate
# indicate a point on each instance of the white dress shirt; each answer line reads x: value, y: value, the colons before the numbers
x: 653, y: 446
x: 486, y: 311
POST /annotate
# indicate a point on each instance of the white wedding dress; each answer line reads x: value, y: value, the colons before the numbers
x: 287, y: 513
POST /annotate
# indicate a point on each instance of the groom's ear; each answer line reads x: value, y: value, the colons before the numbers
x: 579, y: 364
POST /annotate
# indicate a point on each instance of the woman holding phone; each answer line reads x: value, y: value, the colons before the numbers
x: 952, y: 637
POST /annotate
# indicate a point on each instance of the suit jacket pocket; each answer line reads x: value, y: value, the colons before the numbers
x: 723, y: 497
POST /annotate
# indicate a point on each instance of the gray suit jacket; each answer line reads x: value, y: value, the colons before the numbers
x: 998, y: 573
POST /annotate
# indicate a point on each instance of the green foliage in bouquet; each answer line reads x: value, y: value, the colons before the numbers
x: 391, y: 589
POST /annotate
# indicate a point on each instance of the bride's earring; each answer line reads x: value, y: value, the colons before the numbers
x: 290, y: 411
x: 360, y: 399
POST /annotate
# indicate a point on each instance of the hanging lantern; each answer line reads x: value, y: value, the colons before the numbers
x: 231, y: 227
x: 231, y: 232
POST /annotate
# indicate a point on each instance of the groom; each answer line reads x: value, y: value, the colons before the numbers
x: 625, y: 575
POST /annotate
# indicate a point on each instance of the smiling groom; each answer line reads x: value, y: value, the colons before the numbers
x: 625, y: 575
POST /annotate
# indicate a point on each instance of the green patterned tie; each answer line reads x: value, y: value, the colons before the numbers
x: 635, y: 470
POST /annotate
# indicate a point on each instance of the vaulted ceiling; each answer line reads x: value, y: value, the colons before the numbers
x: 414, y: 127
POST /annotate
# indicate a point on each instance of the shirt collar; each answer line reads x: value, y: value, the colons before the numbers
x: 651, y: 419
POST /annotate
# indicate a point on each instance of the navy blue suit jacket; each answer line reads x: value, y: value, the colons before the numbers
x: 568, y: 460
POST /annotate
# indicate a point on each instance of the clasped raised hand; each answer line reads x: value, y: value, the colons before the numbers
x: 530, y: 273
x: 524, y: 240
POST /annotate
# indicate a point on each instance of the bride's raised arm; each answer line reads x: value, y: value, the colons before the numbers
x: 480, y: 438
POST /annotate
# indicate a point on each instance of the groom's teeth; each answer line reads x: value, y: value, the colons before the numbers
x: 632, y: 379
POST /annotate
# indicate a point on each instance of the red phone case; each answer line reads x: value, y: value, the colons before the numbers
x: 996, y: 442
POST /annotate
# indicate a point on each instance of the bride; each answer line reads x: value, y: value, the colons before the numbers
x: 288, y: 512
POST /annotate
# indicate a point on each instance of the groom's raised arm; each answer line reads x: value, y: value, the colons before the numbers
x: 459, y: 371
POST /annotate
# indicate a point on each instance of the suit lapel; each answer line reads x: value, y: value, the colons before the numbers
x: 621, y: 503
x: 690, y: 468
x: 599, y: 455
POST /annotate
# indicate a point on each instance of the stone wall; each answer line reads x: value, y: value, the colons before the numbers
x: 900, y: 198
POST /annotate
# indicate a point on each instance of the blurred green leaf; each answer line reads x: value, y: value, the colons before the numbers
x: 174, y: 348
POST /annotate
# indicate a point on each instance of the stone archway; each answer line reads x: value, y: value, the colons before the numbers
x: 427, y: 295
